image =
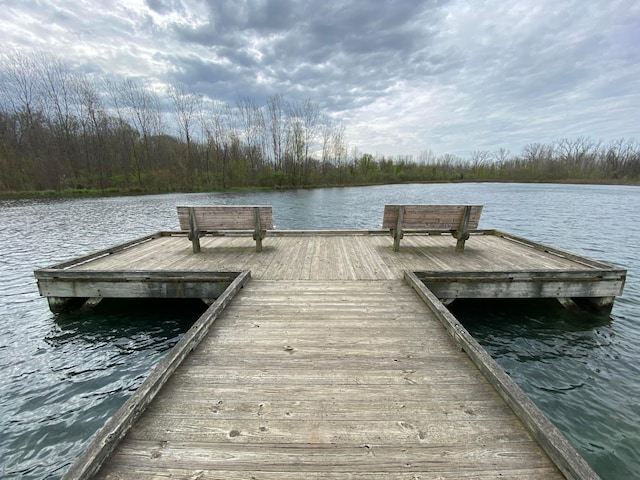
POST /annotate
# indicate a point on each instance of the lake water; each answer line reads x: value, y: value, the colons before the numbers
x: 64, y: 375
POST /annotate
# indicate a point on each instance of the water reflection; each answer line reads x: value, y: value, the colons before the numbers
x: 145, y: 322
x: 544, y: 314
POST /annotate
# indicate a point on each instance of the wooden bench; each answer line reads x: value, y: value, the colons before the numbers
x: 431, y: 219
x: 219, y: 219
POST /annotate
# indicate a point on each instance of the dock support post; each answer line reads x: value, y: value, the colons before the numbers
x: 90, y: 304
x: 592, y: 304
x: 65, y: 304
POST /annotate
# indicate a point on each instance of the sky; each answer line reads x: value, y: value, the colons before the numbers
x: 404, y: 76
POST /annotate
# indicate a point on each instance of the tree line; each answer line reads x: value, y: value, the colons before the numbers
x: 64, y: 130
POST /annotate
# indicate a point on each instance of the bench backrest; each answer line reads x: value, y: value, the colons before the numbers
x: 430, y: 217
x: 226, y: 217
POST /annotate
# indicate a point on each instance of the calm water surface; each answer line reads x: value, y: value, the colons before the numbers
x: 64, y: 375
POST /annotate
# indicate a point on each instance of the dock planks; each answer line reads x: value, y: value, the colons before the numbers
x: 327, y: 364
x: 330, y: 257
x: 317, y: 379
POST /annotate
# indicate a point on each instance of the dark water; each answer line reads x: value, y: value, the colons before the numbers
x: 64, y: 375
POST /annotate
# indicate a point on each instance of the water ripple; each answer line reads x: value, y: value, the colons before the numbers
x: 65, y: 375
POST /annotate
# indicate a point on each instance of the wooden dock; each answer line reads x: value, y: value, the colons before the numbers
x: 335, y: 359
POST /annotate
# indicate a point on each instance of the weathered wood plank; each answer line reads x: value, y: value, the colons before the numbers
x: 137, y: 284
x: 518, y: 473
x: 397, y: 432
x: 106, y: 440
x: 226, y: 217
x: 237, y: 408
x: 333, y: 357
x: 552, y: 441
x: 264, y: 398
x: 530, y: 284
x: 344, y: 394
x: 285, y: 374
x: 312, y: 355
x: 358, y: 458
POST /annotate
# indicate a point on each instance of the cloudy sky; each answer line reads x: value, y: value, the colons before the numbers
x: 405, y: 76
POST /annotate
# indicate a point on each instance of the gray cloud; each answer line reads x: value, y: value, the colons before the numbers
x: 452, y: 76
x: 358, y: 44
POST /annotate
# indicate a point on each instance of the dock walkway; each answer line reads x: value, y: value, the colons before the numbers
x: 333, y: 361
x: 317, y: 379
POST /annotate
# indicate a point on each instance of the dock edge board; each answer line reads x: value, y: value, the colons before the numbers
x: 66, y: 289
x: 553, y: 442
x: 595, y: 288
x: 107, y: 438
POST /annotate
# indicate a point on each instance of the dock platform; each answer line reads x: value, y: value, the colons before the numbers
x: 329, y: 355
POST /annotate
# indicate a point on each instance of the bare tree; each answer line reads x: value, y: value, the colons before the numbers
x: 311, y: 118
x: 19, y: 86
x: 302, y: 130
x: 94, y: 126
x: 142, y: 111
x: 60, y: 87
x: 340, y: 146
x: 479, y: 160
x: 21, y: 99
x: 326, y: 136
x: 215, y: 134
x: 276, y: 126
x: 253, y: 131
x: 502, y: 155
x: 427, y: 157
x: 578, y: 154
x: 186, y: 107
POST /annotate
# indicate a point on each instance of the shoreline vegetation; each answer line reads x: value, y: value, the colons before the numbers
x: 67, y: 133
x: 87, y: 193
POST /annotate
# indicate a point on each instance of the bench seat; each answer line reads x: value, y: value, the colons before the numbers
x: 219, y: 219
x: 431, y: 219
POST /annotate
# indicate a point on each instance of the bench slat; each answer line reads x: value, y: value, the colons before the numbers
x: 256, y: 219
x: 458, y: 219
x: 431, y: 217
x: 226, y: 217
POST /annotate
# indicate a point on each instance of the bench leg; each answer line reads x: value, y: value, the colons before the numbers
x: 195, y: 241
x: 460, y: 245
x: 396, y: 241
x: 258, y: 233
x: 463, y: 230
x: 194, y: 234
x: 397, y: 233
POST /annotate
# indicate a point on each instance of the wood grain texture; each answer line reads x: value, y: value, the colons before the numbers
x: 333, y: 257
x: 355, y: 379
x: 226, y: 217
x: 327, y: 364
x: 430, y: 217
x: 102, y: 444
x: 555, y: 444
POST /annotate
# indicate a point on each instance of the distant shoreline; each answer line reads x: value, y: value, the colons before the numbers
x: 113, y: 192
